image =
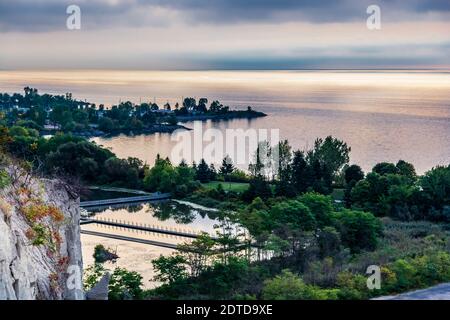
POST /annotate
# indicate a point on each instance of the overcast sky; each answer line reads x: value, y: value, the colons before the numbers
x: 224, y: 34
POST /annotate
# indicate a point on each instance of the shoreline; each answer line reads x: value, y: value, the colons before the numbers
x: 94, y: 133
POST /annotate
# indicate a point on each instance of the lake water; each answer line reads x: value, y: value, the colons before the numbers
x: 168, y: 215
x: 382, y: 115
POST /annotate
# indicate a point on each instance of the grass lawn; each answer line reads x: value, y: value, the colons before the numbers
x: 227, y: 186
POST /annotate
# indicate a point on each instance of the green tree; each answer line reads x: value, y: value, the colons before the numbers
x: 300, y: 174
x: 227, y: 167
x: 321, y: 207
x: 170, y: 269
x: 383, y: 168
x: 435, y: 186
x: 125, y: 285
x: 293, y: 214
x: 331, y: 152
x: 359, y: 230
x: 198, y: 253
x: 203, y: 172
x: 162, y: 177
x: 106, y: 124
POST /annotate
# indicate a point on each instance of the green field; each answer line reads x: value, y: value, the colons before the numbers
x: 227, y: 186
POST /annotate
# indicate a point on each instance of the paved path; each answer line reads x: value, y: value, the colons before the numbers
x: 115, y: 189
x: 151, y: 197
x: 439, y: 292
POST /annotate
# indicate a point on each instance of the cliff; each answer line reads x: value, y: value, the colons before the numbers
x: 40, y: 247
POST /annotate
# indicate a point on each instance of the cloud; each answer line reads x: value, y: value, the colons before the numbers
x: 50, y: 15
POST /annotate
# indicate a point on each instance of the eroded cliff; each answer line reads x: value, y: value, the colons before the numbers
x: 40, y: 248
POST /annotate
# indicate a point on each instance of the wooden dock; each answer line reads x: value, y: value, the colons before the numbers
x: 142, y: 227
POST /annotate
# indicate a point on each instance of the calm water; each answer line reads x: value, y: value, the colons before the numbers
x: 382, y: 115
x: 136, y: 256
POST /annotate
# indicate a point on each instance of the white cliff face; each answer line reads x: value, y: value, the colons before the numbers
x: 30, y: 271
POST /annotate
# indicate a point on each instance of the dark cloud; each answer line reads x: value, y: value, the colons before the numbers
x: 50, y: 15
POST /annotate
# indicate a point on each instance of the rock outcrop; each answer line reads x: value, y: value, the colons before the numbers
x: 36, y: 270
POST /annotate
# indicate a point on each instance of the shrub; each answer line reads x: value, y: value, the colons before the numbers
x: 405, y: 274
x: 125, y: 285
x: 352, y: 286
x: 288, y: 286
x: 5, y: 179
x: 101, y: 254
x: 359, y: 230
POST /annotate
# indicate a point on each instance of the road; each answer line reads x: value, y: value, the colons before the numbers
x: 439, y: 292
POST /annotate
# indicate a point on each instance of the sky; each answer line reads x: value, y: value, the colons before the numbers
x: 224, y: 34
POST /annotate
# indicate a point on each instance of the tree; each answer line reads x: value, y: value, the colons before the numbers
x: 162, y: 177
x: 80, y: 159
x: 170, y: 269
x: 189, y: 104
x: 329, y: 241
x: 436, y: 192
x: 321, y: 207
x: 384, y: 168
x: 331, y: 152
x: 258, y: 187
x: 353, y: 173
x: 125, y: 285
x: 202, y: 105
x: 255, y: 218
x: 106, y: 124
x: 198, y: 253
x: 359, y: 230
x: 227, y: 167
x: 300, y: 178
x: 215, y: 107
x: 203, y: 172
x: 120, y: 170
x: 406, y: 169
x: 293, y: 214
x: 283, y: 159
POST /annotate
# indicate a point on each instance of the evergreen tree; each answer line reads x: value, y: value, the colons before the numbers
x: 227, y: 167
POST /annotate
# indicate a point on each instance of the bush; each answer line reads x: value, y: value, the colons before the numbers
x: 288, y: 286
x: 321, y: 207
x: 125, y: 285
x: 359, y: 230
x: 352, y: 286
x: 5, y: 180
x: 101, y: 254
